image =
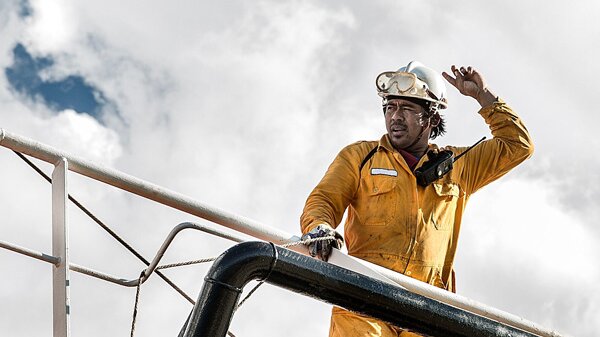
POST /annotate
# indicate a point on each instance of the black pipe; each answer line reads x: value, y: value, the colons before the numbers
x: 244, y: 262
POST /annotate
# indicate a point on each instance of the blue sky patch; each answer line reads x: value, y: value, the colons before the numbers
x: 72, y: 92
x: 25, y: 9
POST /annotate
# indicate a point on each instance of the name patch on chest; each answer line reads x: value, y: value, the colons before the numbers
x: 384, y: 172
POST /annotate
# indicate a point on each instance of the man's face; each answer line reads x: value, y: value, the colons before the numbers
x: 403, y: 123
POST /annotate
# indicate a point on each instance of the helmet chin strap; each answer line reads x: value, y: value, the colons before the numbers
x: 421, y: 133
x: 417, y: 139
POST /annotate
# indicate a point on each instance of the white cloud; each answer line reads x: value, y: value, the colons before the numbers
x: 521, y: 252
x: 93, y: 141
x: 525, y: 214
x: 53, y: 26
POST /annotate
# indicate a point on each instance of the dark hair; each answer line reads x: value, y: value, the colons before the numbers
x: 436, y: 131
x: 440, y: 128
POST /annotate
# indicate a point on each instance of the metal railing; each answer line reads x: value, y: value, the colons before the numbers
x: 65, y: 162
x: 223, y: 284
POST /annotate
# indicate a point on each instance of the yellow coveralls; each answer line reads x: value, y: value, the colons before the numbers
x: 394, y: 222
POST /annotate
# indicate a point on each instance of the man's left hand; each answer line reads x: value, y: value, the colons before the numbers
x: 322, y: 249
x: 470, y: 82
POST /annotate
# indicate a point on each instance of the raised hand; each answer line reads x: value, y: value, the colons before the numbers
x: 470, y: 82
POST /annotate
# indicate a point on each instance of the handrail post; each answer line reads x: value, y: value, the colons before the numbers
x: 60, y: 249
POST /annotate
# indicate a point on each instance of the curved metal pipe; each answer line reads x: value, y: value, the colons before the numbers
x: 161, y: 252
x: 163, y: 248
x: 214, y: 308
x: 121, y: 281
x: 185, y: 225
x: 212, y: 313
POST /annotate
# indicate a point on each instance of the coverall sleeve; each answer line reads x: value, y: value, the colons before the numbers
x: 329, y: 199
x: 510, y: 145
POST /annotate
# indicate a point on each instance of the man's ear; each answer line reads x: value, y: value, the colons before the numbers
x: 435, y: 120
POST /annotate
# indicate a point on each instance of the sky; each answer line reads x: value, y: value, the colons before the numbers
x: 243, y: 105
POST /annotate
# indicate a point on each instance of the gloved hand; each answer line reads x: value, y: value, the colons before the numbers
x: 322, y: 249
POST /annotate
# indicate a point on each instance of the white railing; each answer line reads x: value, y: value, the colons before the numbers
x: 65, y: 162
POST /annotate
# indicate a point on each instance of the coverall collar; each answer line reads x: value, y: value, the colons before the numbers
x: 384, y: 143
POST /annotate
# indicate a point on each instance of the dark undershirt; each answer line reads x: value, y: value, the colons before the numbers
x: 410, y: 159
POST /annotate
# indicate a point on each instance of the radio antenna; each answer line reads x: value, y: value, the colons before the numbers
x: 469, y: 149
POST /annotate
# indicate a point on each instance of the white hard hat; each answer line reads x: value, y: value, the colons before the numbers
x: 416, y: 81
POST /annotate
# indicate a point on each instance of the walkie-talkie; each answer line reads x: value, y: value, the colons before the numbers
x: 438, y: 164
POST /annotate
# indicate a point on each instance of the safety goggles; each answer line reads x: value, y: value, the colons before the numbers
x: 392, y: 83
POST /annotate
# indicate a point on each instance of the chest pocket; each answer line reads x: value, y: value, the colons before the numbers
x: 379, y: 204
x: 443, y: 206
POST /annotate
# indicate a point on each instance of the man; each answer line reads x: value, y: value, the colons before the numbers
x: 394, y: 219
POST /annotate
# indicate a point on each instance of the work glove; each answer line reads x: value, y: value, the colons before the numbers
x: 322, y: 249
